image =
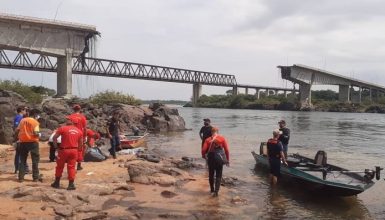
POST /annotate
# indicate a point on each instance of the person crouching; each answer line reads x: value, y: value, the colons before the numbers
x: 71, y: 142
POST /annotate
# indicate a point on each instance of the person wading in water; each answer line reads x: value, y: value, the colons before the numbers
x: 211, y: 151
x: 275, y: 154
x: 205, y: 131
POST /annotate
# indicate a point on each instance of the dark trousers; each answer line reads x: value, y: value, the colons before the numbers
x: 24, y: 149
x: 215, y: 169
x: 17, y: 159
x: 52, y: 151
x: 115, y: 143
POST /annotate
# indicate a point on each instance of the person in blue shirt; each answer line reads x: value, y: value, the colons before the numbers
x: 21, y: 113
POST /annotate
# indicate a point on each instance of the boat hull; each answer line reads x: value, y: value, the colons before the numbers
x: 317, y: 184
x: 129, y: 142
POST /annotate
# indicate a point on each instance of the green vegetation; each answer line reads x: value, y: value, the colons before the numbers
x: 33, y: 94
x: 324, y: 100
x: 242, y: 101
x: 170, y: 102
x: 112, y: 97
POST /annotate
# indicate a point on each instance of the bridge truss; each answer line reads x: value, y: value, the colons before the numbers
x: 112, y: 68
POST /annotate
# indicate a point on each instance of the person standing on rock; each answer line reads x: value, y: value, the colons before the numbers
x: 28, y: 133
x: 81, y: 125
x: 71, y: 143
x: 211, y: 151
x: 285, y: 136
x: 113, y: 130
x: 21, y: 113
x: 205, y: 131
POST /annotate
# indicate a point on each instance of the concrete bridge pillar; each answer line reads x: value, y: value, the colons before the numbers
x: 197, y: 92
x: 370, y: 94
x: 267, y: 92
x: 285, y: 93
x: 235, y: 90
x: 276, y: 92
x: 344, y: 93
x: 257, y: 93
x: 305, y: 94
x: 246, y: 91
x: 360, y: 94
x: 64, y: 75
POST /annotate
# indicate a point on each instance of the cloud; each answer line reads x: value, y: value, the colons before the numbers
x: 247, y: 38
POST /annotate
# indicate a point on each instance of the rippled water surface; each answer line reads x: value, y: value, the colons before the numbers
x: 351, y: 140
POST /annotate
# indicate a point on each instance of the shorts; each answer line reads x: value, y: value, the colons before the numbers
x: 275, y: 166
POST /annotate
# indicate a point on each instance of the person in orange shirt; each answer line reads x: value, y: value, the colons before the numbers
x: 81, y: 125
x: 28, y: 132
x: 71, y: 141
x: 210, y: 151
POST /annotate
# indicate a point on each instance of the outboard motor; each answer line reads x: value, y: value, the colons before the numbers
x: 320, y: 158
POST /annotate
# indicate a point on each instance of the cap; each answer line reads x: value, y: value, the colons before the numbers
x: 76, y: 107
x: 282, y: 122
x: 206, y: 119
x: 276, y: 132
x: 74, y: 120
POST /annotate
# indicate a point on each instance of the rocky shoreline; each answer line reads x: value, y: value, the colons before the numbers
x: 156, y: 117
x: 129, y: 187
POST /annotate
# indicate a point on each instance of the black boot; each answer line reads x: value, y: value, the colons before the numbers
x: 79, y: 167
x: 71, y: 185
x: 56, y: 184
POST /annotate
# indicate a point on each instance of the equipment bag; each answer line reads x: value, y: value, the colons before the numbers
x: 220, y: 155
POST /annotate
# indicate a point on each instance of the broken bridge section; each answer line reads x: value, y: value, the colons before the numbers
x: 62, y: 40
x: 306, y: 76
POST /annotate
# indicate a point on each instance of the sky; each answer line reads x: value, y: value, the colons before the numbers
x: 247, y: 38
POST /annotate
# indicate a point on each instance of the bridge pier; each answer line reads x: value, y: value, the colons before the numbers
x: 235, y: 90
x: 64, y: 75
x: 197, y: 92
x: 257, y: 93
x: 305, y: 94
x: 344, y: 93
x: 285, y: 93
x: 246, y: 91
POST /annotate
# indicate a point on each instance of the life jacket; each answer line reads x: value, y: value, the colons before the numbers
x: 273, y: 148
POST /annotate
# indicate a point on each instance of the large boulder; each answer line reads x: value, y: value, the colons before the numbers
x: 165, y: 119
x: 9, y: 101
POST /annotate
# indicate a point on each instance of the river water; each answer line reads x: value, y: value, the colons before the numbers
x: 352, y: 140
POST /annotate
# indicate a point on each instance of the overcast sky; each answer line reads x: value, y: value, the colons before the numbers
x: 247, y: 38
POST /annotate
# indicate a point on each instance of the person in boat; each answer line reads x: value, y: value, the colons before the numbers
x: 205, y: 131
x: 113, y: 129
x: 211, y: 152
x: 52, y: 149
x: 285, y: 136
x: 275, y: 154
x: 135, y: 130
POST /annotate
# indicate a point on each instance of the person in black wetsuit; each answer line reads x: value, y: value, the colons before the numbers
x: 205, y: 131
x: 275, y: 154
x: 285, y: 136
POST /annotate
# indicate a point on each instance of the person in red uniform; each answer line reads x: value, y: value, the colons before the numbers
x: 215, y: 164
x: 71, y: 141
x: 92, y: 136
x: 82, y: 125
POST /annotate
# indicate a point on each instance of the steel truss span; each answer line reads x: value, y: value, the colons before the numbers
x: 112, y: 68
